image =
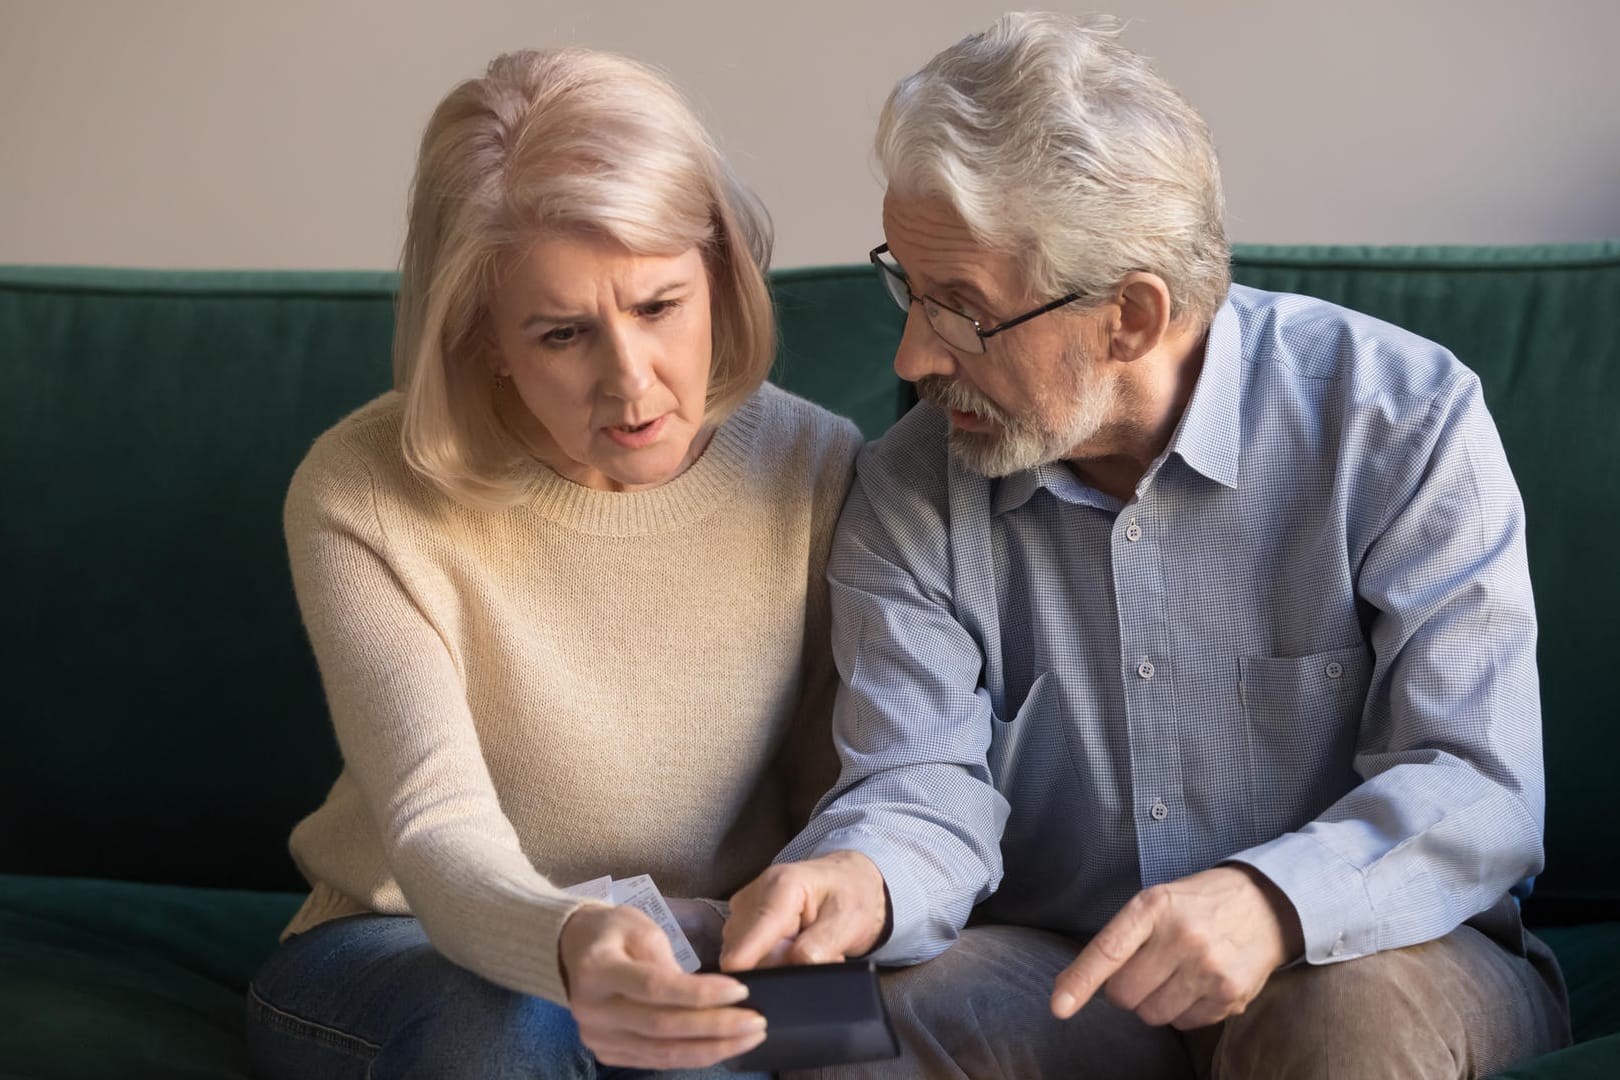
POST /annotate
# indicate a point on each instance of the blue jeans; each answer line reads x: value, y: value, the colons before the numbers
x: 368, y: 997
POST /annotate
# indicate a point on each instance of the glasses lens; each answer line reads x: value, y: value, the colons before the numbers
x: 957, y: 329
x: 894, y: 282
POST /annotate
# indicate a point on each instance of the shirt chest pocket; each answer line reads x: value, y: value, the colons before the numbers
x: 1303, y: 717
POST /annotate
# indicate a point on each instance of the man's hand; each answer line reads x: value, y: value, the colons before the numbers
x: 636, y: 1007
x: 818, y: 911
x: 1188, y: 953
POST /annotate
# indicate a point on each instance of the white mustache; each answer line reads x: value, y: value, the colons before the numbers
x: 949, y: 394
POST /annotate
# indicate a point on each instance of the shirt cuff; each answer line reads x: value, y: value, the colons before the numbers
x: 1336, y: 917
x: 911, y: 938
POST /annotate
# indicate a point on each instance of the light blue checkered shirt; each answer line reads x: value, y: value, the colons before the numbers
x: 1306, y: 644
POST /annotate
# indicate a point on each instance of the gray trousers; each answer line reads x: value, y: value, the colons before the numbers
x: 1461, y: 1006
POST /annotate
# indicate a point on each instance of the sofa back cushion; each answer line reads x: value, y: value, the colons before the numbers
x: 163, y: 716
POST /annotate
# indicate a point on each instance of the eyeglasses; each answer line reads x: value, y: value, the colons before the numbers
x: 958, y: 329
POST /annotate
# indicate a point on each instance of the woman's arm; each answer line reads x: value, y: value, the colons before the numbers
x: 399, y: 707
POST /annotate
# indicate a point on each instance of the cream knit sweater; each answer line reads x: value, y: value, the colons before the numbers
x: 590, y: 683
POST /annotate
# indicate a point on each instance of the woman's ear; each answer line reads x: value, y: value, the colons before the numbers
x: 1143, y: 302
x: 488, y: 347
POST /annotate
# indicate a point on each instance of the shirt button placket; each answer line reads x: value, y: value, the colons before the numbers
x: 1149, y: 704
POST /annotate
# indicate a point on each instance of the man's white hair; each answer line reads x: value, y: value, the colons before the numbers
x: 1056, y: 144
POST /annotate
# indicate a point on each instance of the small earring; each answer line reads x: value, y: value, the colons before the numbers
x: 500, y: 382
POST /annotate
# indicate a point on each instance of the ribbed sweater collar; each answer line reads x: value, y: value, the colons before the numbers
x: 694, y: 494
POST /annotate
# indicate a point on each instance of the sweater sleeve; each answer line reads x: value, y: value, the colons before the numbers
x: 399, y: 707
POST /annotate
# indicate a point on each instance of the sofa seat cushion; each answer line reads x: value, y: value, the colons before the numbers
x: 1590, y: 957
x: 104, y: 978
x: 1595, y: 1059
x: 111, y: 978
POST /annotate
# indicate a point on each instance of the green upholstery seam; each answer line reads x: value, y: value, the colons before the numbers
x: 1427, y: 266
x: 159, y: 292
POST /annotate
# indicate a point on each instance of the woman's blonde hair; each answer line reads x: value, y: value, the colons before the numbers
x: 553, y: 140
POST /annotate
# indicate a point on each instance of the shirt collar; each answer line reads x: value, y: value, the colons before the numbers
x: 1011, y: 492
x: 1208, y: 438
x: 1210, y: 435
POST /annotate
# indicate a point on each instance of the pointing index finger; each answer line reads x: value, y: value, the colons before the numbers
x: 1103, y: 955
x: 754, y: 929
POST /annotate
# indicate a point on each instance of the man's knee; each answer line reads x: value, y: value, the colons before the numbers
x: 1381, y: 1015
x: 981, y: 1010
x: 994, y: 979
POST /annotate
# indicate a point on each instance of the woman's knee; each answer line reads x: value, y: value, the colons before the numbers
x: 498, y: 1035
x: 373, y: 993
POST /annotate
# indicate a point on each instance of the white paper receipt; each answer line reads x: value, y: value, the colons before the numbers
x: 640, y: 893
x: 595, y: 889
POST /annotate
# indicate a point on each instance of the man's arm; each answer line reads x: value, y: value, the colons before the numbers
x: 1449, y: 814
x: 912, y: 729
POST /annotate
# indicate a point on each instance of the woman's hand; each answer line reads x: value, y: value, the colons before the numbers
x: 635, y: 1006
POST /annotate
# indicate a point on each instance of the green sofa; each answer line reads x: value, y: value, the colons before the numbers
x: 164, y: 725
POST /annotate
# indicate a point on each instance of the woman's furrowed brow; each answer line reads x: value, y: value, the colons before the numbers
x: 547, y: 317
x: 663, y: 291
x: 566, y: 317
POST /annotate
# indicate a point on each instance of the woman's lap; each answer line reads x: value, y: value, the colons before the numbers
x: 369, y: 997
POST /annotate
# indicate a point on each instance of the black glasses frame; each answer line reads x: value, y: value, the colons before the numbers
x: 899, y: 275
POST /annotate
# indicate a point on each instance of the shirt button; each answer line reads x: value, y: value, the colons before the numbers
x: 1133, y: 532
x: 1334, y: 669
x: 1159, y: 811
x: 1145, y: 669
x: 1338, y: 946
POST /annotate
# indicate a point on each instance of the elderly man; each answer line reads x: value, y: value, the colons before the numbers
x: 1185, y: 629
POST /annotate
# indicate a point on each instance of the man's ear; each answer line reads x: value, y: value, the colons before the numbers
x: 1143, y: 305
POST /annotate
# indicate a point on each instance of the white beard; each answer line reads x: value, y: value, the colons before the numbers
x: 1064, y: 417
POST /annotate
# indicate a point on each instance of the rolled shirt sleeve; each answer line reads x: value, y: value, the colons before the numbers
x: 911, y: 726
x: 1448, y: 816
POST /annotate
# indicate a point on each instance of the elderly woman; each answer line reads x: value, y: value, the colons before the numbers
x: 565, y: 587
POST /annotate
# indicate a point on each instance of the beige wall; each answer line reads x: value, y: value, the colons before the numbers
x: 280, y: 133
